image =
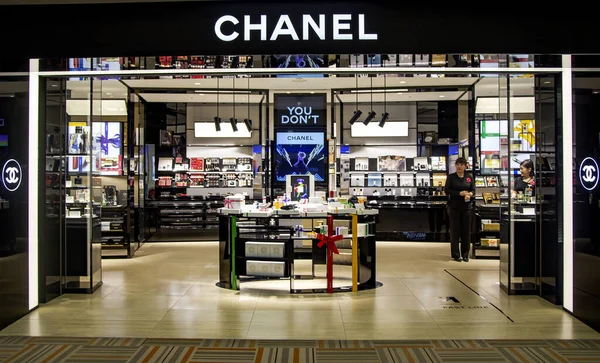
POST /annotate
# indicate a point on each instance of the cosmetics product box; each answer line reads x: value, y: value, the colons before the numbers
x: 257, y: 268
x: 265, y: 268
x: 276, y: 268
x: 252, y: 268
x: 74, y: 213
x: 251, y: 250
x: 490, y: 242
x: 263, y: 249
x: 491, y: 226
x: 276, y: 249
x: 362, y: 229
x: 341, y: 231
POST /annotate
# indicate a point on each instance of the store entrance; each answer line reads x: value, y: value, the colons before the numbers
x: 165, y: 152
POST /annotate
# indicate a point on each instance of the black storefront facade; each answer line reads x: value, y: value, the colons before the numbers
x: 230, y: 27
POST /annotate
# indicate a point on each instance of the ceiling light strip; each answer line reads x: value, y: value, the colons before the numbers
x: 270, y: 71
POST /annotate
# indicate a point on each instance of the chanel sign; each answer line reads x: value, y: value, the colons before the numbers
x: 11, y: 175
x: 228, y: 28
x: 589, y: 173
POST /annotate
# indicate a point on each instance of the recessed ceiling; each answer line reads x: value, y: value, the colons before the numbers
x: 403, y: 97
x: 430, y: 89
x: 200, y: 98
x: 297, y: 84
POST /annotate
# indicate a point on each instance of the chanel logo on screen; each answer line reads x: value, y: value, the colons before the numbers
x: 11, y: 175
x: 589, y: 173
x: 226, y: 27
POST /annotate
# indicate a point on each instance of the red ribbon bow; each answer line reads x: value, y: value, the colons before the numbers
x: 227, y: 203
x: 330, y: 240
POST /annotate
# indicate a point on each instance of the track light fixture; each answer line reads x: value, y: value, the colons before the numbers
x: 370, y: 117
x: 371, y: 114
x: 218, y: 118
x: 247, y: 120
x: 355, y: 117
x: 384, y: 117
x: 357, y: 112
x: 233, y: 120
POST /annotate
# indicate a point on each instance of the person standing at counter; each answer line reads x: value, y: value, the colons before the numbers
x: 526, y: 181
x: 460, y: 188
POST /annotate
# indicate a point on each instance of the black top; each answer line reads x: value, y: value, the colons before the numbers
x: 521, y: 186
x: 455, y: 185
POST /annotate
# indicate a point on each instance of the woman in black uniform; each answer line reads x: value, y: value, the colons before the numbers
x: 526, y: 180
x: 460, y: 188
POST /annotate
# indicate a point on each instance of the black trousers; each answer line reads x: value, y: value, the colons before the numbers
x: 460, y: 230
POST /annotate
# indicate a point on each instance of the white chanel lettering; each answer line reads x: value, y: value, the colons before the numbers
x: 12, y: 175
x: 340, y: 27
x: 589, y: 171
x: 219, y: 24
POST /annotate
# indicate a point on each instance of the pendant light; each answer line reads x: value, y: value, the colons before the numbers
x: 247, y: 120
x: 384, y: 115
x: 371, y: 114
x: 233, y: 120
x: 217, y: 118
x: 357, y: 112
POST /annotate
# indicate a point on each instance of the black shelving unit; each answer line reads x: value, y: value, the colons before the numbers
x: 116, y: 241
x: 269, y: 234
x: 486, y: 212
x: 188, y: 215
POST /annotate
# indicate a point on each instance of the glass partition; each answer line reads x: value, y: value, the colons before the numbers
x: 15, y: 242
x: 52, y: 247
x: 71, y: 172
x: 171, y: 129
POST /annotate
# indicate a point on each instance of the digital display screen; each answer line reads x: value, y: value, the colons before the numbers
x: 300, y: 187
x: 108, y: 146
x: 300, y: 153
x: 300, y: 61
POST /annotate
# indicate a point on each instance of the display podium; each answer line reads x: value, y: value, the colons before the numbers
x: 276, y: 248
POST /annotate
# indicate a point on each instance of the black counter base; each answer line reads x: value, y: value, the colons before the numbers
x: 409, y: 236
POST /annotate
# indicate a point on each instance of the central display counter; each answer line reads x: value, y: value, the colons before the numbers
x: 260, y: 245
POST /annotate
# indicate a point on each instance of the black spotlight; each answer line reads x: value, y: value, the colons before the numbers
x: 355, y: 117
x: 370, y: 116
x: 248, y: 123
x: 217, y: 123
x: 233, y: 122
x: 384, y: 117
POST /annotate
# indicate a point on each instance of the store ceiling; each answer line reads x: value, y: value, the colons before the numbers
x: 399, y: 89
x: 54, y: 2
x: 346, y: 98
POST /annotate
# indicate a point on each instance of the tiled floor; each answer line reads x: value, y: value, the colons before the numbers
x: 168, y: 291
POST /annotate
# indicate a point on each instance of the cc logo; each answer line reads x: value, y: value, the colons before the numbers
x: 589, y: 173
x: 11, y: 175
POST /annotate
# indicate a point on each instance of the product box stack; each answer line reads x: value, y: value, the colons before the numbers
x: 233, y: 204
x: 263, y: 250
